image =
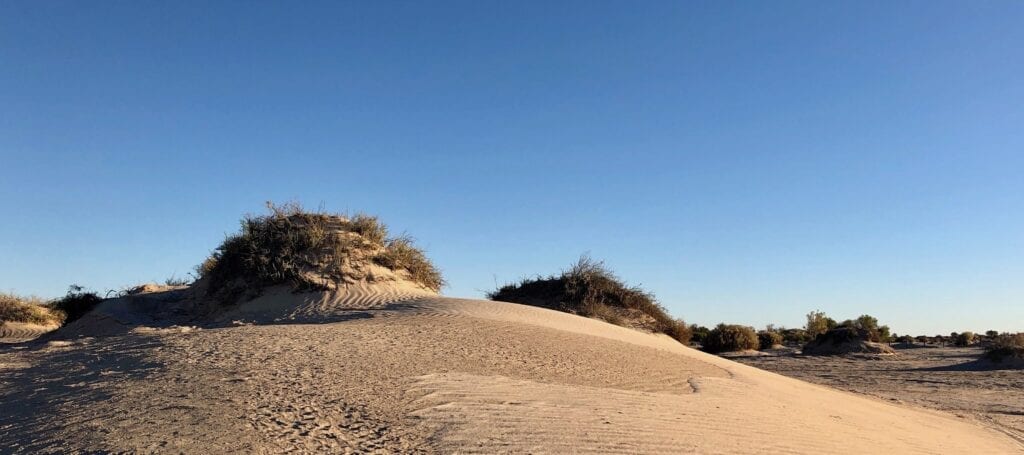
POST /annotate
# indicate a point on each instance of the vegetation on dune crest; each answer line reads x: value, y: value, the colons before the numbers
x: 76, y: 303
x: 731, y: 337
x: 589, y: 289
x: 62, y: 311
x: 310, y: 250
x: 32, y: 310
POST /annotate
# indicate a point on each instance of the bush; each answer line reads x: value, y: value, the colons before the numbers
x: 768, y: 339
x: 31, y: 310
x: 1006, y: 346
x: 726, y: 338
x: 845, y: 340
x: 699, y: 333
x: 76, y: 303
x: 876, y: 333
x: 795, y: 336
x: 818, y: 323
x: 589, y: 289
x: 309, y: 250
x: 964, y: 339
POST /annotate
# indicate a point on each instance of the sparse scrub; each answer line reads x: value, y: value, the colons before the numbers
x: 768, y: 339
x: 731, y: 337
x: 174, y: 280
x: 32, y: 310
x: 310, y: 250
x: 589, y: 289
x: 1006, y: 346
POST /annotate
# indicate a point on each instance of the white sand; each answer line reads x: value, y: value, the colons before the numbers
x: 435, y: 375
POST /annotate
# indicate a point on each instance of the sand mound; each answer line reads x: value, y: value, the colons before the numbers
x: 845, y: 340
x: 289, y: 266
x: 435, y: 375
x: 313, y: 250
x: 590, y: 289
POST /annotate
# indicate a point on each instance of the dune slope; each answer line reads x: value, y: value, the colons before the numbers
x: 428, y: 374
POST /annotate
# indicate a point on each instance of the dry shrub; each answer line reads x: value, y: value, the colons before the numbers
x: 1006, y: 346
x: 845, y: 340
x: 589, y: 289
x: 964, y: 339
x: 307, y: 250
x: 768, y: 339
x: 731, y: 337
x: 76, y: 303
x: 400, y: 253
x: 32, y: 310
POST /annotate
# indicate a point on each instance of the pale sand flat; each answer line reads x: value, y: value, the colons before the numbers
x: 436, y: 375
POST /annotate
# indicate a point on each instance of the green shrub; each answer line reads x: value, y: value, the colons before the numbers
x: 76, y: 303
x: 818, y: 323
x: 32, y: 310
x: 309, y: 250
x: 768, y: 339
x: 964, y: 339
x: 699, y: 333
x: 589, y: 289
x: 795, y: 336
x: 726, y: 338
x: 1006, y: 346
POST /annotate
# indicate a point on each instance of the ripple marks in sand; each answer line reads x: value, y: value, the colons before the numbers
x: 13, y: 332
x: 725, y: 416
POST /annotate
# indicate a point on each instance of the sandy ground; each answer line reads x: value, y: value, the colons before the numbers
x: 435, y: 375
x: 942, y: 378
x: 19, y: 332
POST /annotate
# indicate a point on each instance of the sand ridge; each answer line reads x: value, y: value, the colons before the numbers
x: 435, y: 375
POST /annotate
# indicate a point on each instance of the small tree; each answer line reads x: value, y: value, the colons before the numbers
x: 818, y: 323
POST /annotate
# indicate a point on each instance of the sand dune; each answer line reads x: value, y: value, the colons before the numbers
x: 402, y: 373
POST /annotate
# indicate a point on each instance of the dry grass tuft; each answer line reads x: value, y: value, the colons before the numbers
x: 31, y: 310
x: 309, y: 250
x: 589, y: 289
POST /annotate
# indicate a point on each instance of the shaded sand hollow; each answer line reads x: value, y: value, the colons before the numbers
x: 411, y: 372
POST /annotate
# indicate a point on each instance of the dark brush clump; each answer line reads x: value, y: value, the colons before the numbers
x: 1006, y: 346
x: 76, y: 303
x: 589, y: 289
x: 309, y: 251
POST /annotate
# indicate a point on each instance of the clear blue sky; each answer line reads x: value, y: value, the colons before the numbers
x: 746, y: 161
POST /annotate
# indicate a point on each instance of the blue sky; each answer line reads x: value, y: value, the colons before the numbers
x: 746, y: 161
